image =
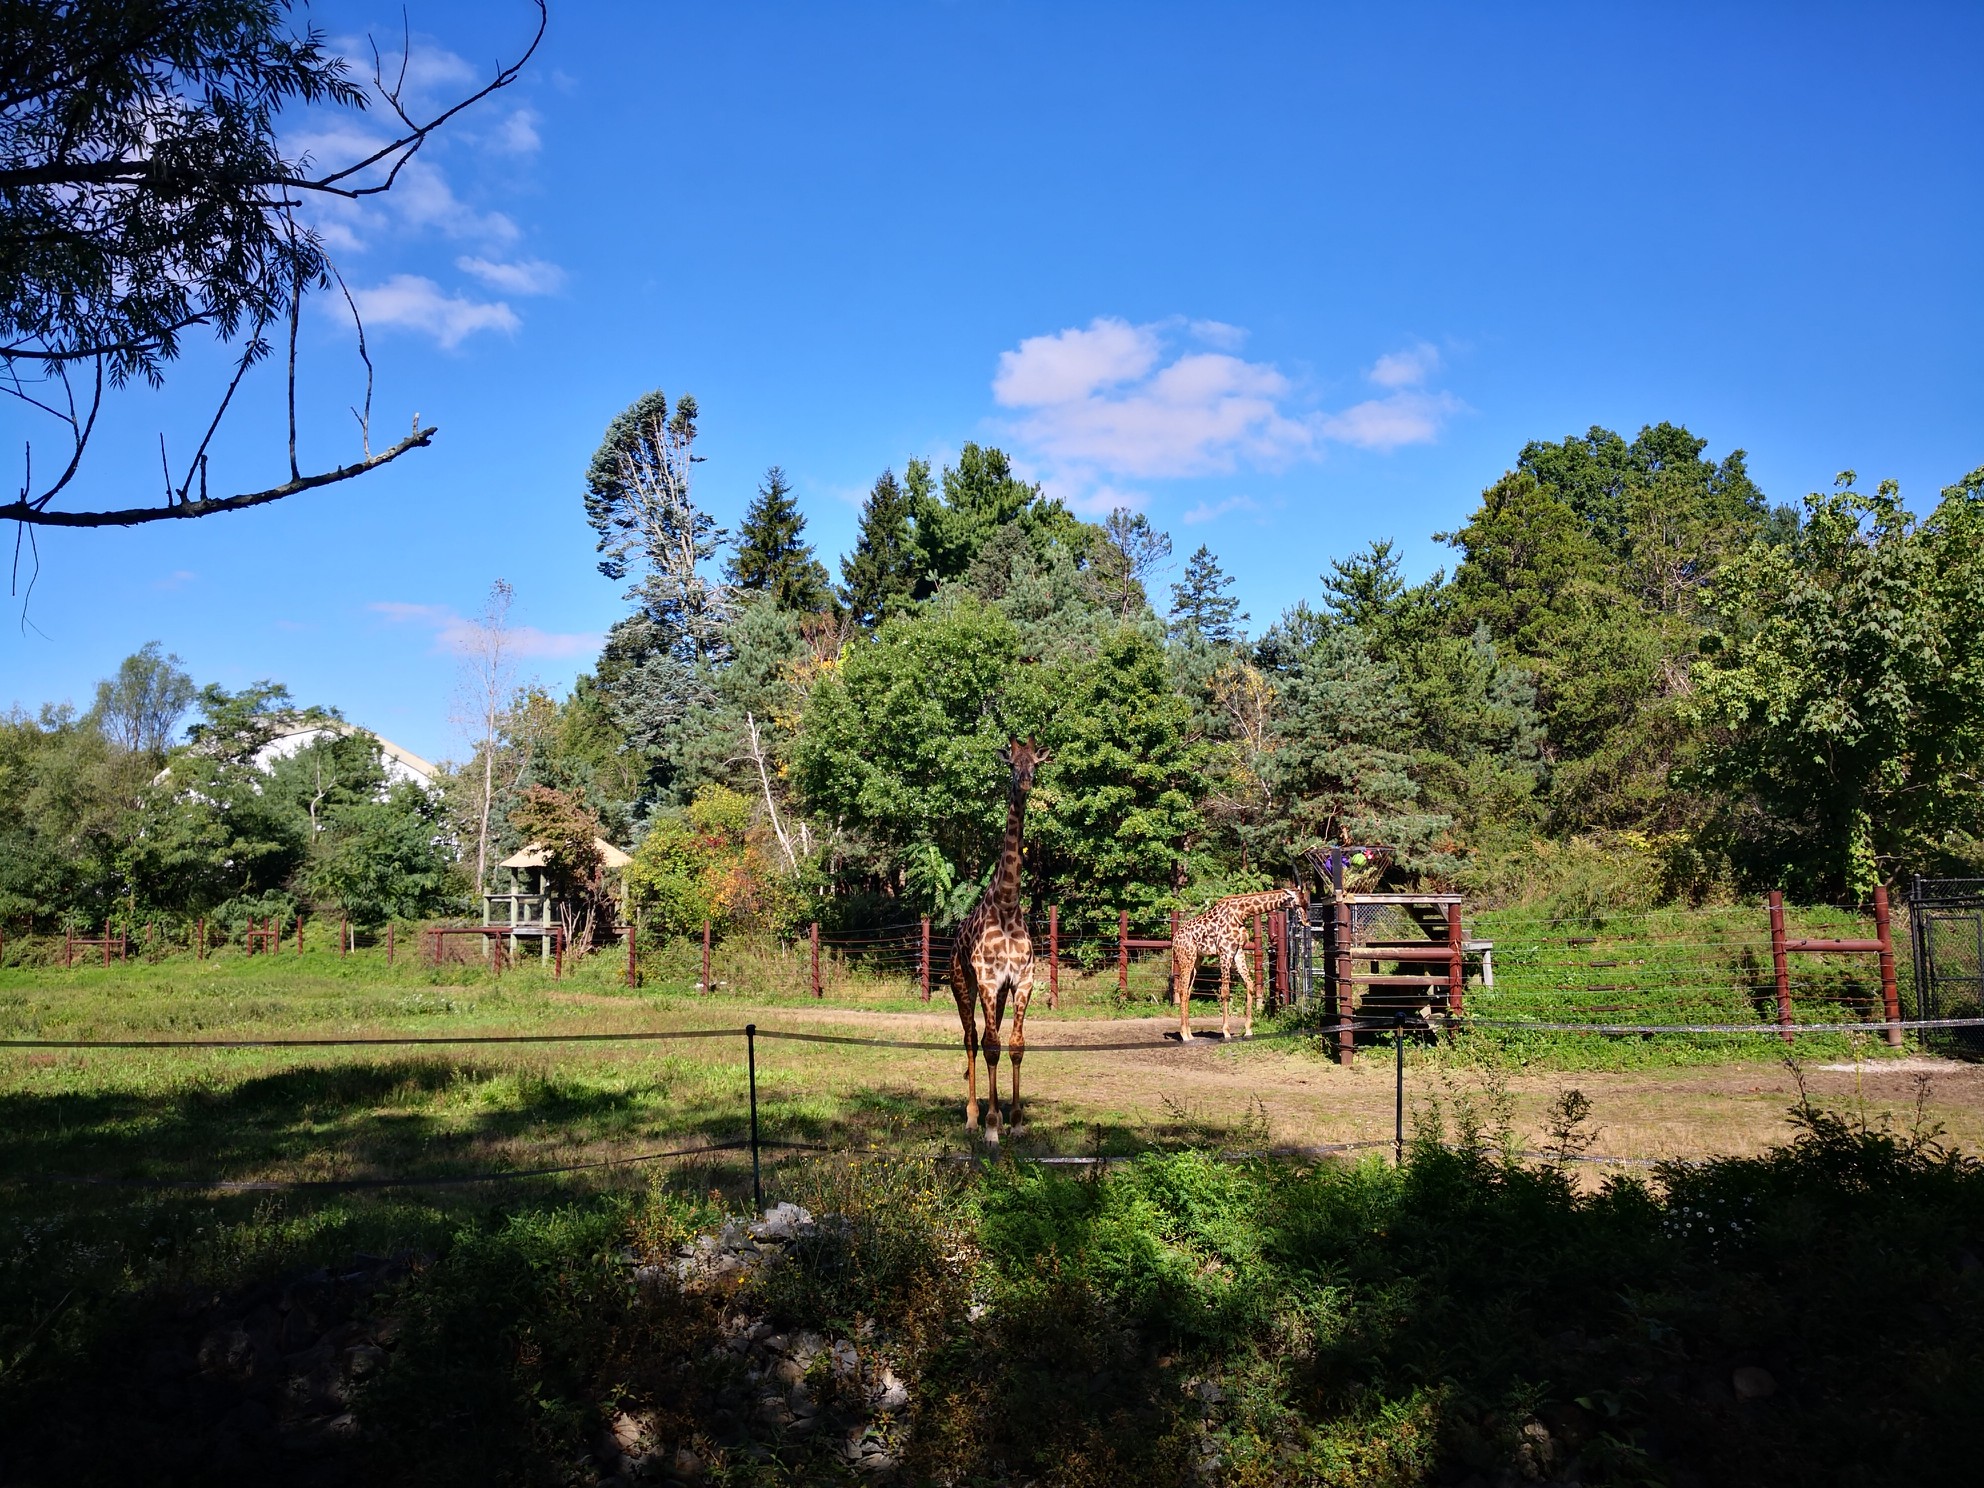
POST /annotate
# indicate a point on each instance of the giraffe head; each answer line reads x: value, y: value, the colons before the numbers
x: 1024, y: 756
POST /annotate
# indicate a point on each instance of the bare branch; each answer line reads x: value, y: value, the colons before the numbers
x: 358, y: 323
x: 25, y: 511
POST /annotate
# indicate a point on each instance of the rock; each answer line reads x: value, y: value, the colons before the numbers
x: 364, y: 1360
x: 891, y: 1394
x: 773, y: 1411
x: 626, y: 1433
x: 1535, y: 1451
x: 1569, y: 1423
x: 687, y: 1465
x: 846, y: 1360
x: 876, y: 1462
x: 781, y: 1222
x: 1752, y: 1383
x: 788, y: 1371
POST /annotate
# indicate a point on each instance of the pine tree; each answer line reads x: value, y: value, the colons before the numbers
x: 881, y: 575
x: 1202, y: 601
x: 771, y: 558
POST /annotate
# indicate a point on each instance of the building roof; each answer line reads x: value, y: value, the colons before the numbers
x: 533, y: 856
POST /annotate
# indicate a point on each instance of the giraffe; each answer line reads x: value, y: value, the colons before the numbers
x: 992, y: 954
x: 1220, y: 930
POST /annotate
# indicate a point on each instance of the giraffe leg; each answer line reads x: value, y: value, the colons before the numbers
x: 1247, y: 981
x: 1184, y: 966
x: 989, y: 1041
x: 1225, y: 994
x: 1022, y: 992
x: 961, y: 990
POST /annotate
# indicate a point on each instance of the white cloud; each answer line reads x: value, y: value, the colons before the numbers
x: 456, y: 635
x: 1405, y: 417
x: 178, y: 578
x: 529, y: 276
x: 1218, y: 333
x: 1208, y: 511
x: 419, y: 304
x: 1113, y: 400
x: 517, y: 134
x: 1408, y: 368
x: 1070, y: 365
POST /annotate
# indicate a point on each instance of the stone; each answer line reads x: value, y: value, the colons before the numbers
x: 364, y: 1360
x: 626, y: 1433
x: 876, y: 1462
x: 1752, y: 1383
x: 891, y: 1394
x: 687, y: 1465
x: 845, y: 1360
x: 781, y: 1222
x: 788, y: 1371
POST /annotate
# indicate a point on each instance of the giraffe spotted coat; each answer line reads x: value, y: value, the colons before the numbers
x: 1220, y: 931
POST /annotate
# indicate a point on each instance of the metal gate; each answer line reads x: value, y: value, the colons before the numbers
x: 1946, y: 927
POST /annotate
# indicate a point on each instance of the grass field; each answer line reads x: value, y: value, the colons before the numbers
x: 87, y: 1264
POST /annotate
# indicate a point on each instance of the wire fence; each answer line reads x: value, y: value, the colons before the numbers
x: 756, y: 1144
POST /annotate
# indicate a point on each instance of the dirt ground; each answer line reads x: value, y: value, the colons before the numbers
x: 1640, y: 1116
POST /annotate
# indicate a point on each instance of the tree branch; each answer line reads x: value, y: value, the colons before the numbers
x: 32, y: 516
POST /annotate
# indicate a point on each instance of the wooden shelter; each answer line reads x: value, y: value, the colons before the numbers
x: 521, y: 901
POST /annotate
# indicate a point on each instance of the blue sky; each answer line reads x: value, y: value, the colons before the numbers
x: 1289, y: 278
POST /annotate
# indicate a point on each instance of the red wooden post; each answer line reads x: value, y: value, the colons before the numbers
x: 68, y: 947
x: 200, y: 939
x: 558, y: 954
x: 1122, y: 953
x: 1890, y: 996
x: 1346, y: 994
x: 1054, y: 955
x: 389, y: 942
x: 813, y: 935
x: 1778, y: 964
x: 633, y: 958
x: 106, y: 942
x: 1278, y: 927
x: 923, y: 962
x: 706, y: 957
x: 1456, y: 965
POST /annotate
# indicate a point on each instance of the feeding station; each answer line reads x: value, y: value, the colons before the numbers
x: 521, y: 906
x: 1387, y: 956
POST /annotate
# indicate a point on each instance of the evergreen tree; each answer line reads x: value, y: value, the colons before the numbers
x: 879, y: 578
x: 1202, y: 602
x: 771, y: 558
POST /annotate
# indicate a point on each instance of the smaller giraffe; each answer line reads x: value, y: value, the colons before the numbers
x: 1220, y: 930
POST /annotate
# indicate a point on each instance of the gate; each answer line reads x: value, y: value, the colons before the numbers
x: 1946, y: 925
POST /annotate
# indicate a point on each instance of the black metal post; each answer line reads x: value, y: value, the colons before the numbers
x: 1398, y: 1100
x: 751, y: 1063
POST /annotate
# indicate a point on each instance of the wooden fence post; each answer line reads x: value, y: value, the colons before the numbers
x: 299, y: 932
x: 706, y: 958
x: 1054, y: 956
x: 1123, y: 953
x: 1278, y: 930
x: 923, y: 961
x: 814, y: 936
x: 68, y: 947
x: 344, y: 934
x: 1456, y: 963
x: 1777, y: 963
x: 200, y: 940
x: 1346, y: 993
x: 389, y: 942
x: 1890, y: 994
x: 633, y: 957
x: 558, y: 950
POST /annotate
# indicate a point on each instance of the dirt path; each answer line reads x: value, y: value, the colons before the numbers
x: 1161, y: 1086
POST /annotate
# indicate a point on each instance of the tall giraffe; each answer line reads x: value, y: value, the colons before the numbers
x: 1220, y: 930
x: 992, y: 955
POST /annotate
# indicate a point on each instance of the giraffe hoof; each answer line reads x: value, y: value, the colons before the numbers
x: 1185, y: 1036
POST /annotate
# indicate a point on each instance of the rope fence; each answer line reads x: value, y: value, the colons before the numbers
x: 756, y: 1144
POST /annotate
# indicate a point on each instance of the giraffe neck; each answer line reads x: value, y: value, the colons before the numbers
x: 1006, y: 882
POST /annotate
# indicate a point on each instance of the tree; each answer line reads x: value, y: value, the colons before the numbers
x: 141, y: 706
x: 574, y: 867
x: 1202, y: 604
x: 898, y: 748
x: 770, y: 558
x: 382, y: 859
x: 880, y: 577
x: 1130, y: 553
x: 487, y: 672
x: 1845, y: 685
x: 144, y: 193
x: 1113, y: 812
x: 659, y: 663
